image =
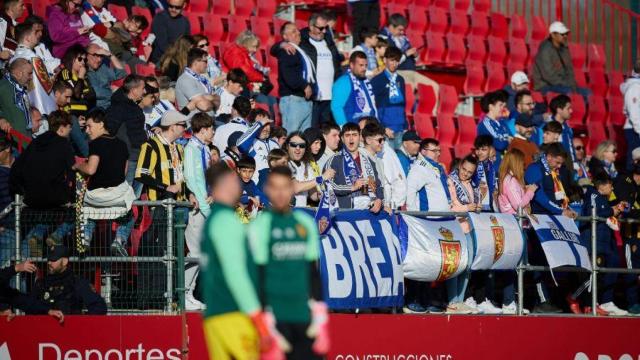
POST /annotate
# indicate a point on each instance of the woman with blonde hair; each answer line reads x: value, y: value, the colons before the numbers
x: 174, y: 60
x: 604, y: 158
x: 513, y: 194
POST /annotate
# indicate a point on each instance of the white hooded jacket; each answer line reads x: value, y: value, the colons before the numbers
x: 631, y: 91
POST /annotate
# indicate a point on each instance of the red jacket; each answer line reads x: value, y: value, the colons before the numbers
x: 237, y: 56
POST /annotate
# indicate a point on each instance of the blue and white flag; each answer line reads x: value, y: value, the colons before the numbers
x: 560, y: 241
x: 433, y: 250
x: 499, y: 241
x: 360, y: 262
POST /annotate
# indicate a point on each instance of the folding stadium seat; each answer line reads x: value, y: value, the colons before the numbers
x: 119, y: 12
x: 396, y: 8
x: 597, y: 134
x: 448, y: 97
x: 497, y: 49
x: 495, y: 77
x: 214, y: 28
x: 437, y: 20
x: 462, y: 5
x: 267, y: 8
x: 597, y: 109
x: 474, y: 80
x: 416, y: 38
x: 446, y: 131
x: 499, y: 27
x: 40, y: 8
x: 244, y: 7
x: 518, y: 55
x: 480, y: 24
x: 579, y: 110
x: 581, y: 79
x: 477, y: 51
x: 616, y: 110
x: 537, y: 97
x: 443, y: 4
x: 137, y: 10
x: 459, y: 22
x: 426, y: 100
x: 262, y: 28
x: 424, y: 125
x: 195, y: 21
x: 578, y: 55
x: 598, y: 82
x: 457, y: 51
x: 434, y: 49
x: 481, y: 5
x: 539, y: 30
x: 199, y: 6
x: 418, y: 18
x: 236, y: 25
x: 146, y: 69
x: 518, y: 27
x: 466, y: 130
x: 410, y: 100
x: 221, y: 7
x: 596, y: 56
x: 615, y: 79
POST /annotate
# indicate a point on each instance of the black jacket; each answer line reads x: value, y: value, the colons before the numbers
x: 69, y: 293
x: 290, y: 79
x: 11, y: 298
x: 43, y: 172
x: 124, y: 111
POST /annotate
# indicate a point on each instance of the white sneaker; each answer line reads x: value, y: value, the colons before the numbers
x: 613, y: 310
x: 192, y: 304
x: 512, y: 309
x: 486, y: 307
x: 471, y: 303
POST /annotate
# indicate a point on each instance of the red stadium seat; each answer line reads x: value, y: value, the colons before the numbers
x: 236, y: 25
x: 418, y: 18
x: 446, y: 131
x: 437, y: 20
x: 495, y: 77
x: 481, y: 5
x: 457, y: 51
x: 616, y: 110
x: 199, y: 6
x: 597, y: 109
x: 466, y: 130
x: 443, y: 4
x: 410, y: 100
x: 40, y: 8
x: 146, y: 69
x: 497, y: 49
x: 474, y: 80
x: 539, y: 30
x: 596, y: 55
x: 615, y: 79
x: 214, y: 29
x: 244, y: 7
x: 195, y: 21
x: 459, y: 22
x: 461, y: 150
x: 395, y: 8
x: 579, y: 110
x: 499, y: 27
x: 448, y: 99
x: 462, y: 5
x: 477, y: 50
x: 434, y: 49
x: 537, y: 97
x: 518, y: 27
x: 262, y: 28
x: 426, y: 99
x: 597, y: 134
x: 266, y: 8
x: 598, y: 82
x: 119, y: 12
x: 221, y: 7
x: 416, y: 38
x: 581, y: 79
x: 423, y: 125
x: 518, y: 55
x: 578, y: 55
x: 480, y: 24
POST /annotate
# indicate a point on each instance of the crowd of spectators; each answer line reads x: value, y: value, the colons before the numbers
x: 97, y: 133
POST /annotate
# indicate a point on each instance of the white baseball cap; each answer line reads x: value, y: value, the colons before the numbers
x: 558, y: 27
x: 519, y: 78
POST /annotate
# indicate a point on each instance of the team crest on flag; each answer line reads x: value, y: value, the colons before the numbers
x: 499, y: 241
x: 450, y: 254
x: 40, y: 70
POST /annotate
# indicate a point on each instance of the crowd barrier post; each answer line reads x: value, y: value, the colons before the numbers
x: 180, y: 287
x: 169, y: 258
x: 18, y: 208
x: 521, y: 265
x: 594, y: 264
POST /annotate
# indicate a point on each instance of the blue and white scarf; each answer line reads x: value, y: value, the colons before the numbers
x: 395, y: 95
x: 461, y: 191
x: 21, y: 99
x: 610, y: 168
x: 308, y: 70
x: 372, y: 61
x: 202, y: 79
x: 205, y: 154
x: 485, y: 171
x: 351, y: 171
x: 365, y: 100
x: 438, y: 169
x: 323, y: 214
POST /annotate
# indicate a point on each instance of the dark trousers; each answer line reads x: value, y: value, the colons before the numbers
x: 321, y: 113
x: 632, y: 257
x: 364, y: 15
x: 537, y: 257
x: 296, y: 335
x: 633, y: 141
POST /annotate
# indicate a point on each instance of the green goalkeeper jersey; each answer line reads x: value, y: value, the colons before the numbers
x: 228, y: 269
x: 284, y: 245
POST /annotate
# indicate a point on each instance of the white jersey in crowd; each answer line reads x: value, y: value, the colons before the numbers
x: 424, y: 180
x: 105, y: 16
x: 223, y: 132
x: 631, y: 91
x: 324, y: 69
x: 260, y: 152
x: 50, y: 62
x: 226, y: 101
x: 41, y: 93
x: 393, y: 180
x: 301, y: 172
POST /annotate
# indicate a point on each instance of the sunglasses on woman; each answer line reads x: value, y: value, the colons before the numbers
x: 81, y: 58
x: 297, y: 145
x: 204, y: 46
